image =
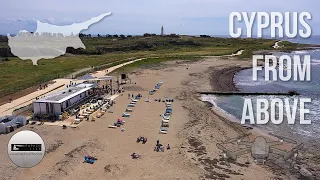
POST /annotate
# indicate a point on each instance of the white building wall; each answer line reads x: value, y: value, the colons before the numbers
x: 57, y: 109
x: 43, y: 108
x: 40, y: 107
x: 36, y: 108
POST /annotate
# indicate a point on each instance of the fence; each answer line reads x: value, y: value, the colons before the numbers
x: 22, y: 109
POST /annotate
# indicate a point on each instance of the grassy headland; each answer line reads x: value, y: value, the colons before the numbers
x: 17, y: 74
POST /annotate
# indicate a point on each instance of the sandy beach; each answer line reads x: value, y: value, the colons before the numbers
x: 194, y: 130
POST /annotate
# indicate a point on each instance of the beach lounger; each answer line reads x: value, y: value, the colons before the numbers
x: 166, y: 117
x: 76, y: 121
x: 163, y: 130
x: 134, y: 100
x: 168, y: 110
x: 131, y: 105
x: 165, y: 121
x: 147, y: 100
x: 129, y: 110
x: 112, y: 126
x: 164, y: 124
x: 125, y: 115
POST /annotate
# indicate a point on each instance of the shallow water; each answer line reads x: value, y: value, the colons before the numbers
x: 233, y: 105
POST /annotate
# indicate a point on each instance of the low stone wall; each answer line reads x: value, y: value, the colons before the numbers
x: 25, y: 108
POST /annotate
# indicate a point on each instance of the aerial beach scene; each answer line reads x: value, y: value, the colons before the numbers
x: 106, y: 90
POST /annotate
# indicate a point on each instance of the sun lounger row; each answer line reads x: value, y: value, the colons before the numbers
x: 132, y: 104
x: 156, y: 87
x: 165, y: 120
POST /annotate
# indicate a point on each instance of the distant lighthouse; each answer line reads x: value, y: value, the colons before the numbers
x: 162, y: 31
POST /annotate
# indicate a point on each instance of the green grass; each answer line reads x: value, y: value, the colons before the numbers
x: 17, y: 74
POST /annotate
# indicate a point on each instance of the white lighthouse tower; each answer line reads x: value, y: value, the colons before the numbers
x: 162, y: 31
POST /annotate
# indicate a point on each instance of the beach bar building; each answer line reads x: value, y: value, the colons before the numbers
x: 10, y: 123
x: 57, y: 103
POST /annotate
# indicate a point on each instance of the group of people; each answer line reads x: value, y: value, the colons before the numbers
x: 43, y: 87
x: 119, y: 122
x: 160, y: 148
x: 132, y: 96
x: 143, y: 139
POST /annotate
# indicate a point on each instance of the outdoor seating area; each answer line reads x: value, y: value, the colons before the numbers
x: 93, y: 109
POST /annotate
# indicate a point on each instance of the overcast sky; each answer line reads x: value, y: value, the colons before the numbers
x: 139, y: 16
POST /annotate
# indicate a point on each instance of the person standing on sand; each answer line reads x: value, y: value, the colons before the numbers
x: 168, y: 147
x: 128, y: 95
x: 158, y: 141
